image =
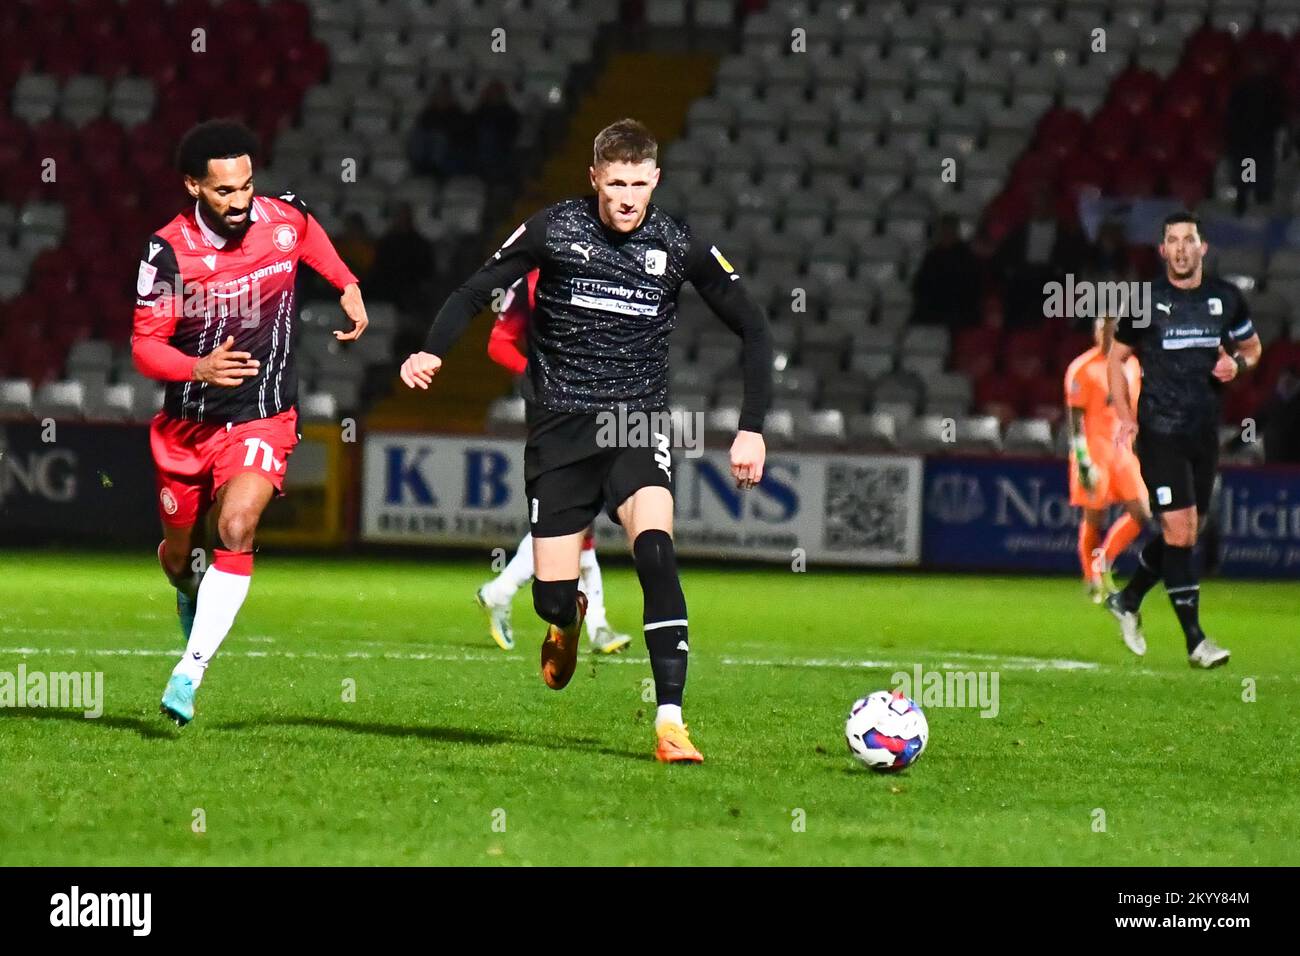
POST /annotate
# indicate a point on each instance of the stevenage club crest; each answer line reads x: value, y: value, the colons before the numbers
x: 284, y: 237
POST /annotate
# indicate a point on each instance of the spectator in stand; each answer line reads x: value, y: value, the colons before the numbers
x: 1042, y: 250
x: 403, y: 263
x: 439, y: 144
x: 355, y: 247
x: 946, y: 287
x: 1254, y: 115
x: 1109, y: 259
x: 496, y: 124
x: 1281, y: 417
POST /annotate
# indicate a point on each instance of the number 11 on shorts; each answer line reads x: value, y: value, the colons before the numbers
x: 268, y: 457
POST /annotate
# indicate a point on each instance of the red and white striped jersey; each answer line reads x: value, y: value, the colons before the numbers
x: 195, y: 288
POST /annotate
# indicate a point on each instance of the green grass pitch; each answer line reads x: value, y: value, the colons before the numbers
x: 454, y: 752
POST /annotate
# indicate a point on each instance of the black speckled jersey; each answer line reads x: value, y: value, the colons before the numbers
x: 1178, y: 349
x: 606, y: 303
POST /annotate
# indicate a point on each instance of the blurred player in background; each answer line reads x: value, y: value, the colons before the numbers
x: 214, y: 320
x: 1198, y: 337
x: 1101, y: 473
x: 611, y: 268
x: 496, y: 596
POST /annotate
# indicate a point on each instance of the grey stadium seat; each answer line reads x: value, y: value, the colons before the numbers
x: 1028, y: 436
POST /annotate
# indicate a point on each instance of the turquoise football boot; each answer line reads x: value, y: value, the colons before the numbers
x: 178, y: 700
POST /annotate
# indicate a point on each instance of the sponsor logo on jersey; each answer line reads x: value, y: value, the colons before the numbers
x: 656, y: 262
x: 284, y: 236
x: 1190, y: 338
x: 144, y: 278
x: 614, y: 297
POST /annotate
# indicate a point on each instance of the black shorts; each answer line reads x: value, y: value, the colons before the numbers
x: 1179, y: 470
x: 571, y: 471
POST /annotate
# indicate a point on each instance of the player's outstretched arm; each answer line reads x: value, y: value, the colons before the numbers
x: 419, y: 369
x: 355, y: 309
x: 748, y: 454
x: 720, y: 287
x: 514, y: 260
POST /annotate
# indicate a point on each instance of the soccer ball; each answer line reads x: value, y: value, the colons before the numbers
x: 886, y: 731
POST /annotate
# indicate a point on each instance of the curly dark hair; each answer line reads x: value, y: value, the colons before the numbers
x: 214, y: 139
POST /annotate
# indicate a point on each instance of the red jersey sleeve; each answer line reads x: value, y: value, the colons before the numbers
x: 314, y: 246
x: 158, y: 297
x: 507, y: 330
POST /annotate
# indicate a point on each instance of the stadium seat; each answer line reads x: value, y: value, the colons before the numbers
x: 63, y: 399
x: 980, y: 433
x: 113, y: 403
x: 871, y: 432
x: 322, y: 407
x: 15, y: 398
x: 1028, y: 436
x: 822, y: 430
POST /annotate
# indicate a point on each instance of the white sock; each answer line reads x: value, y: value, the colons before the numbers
x: 221, y: 595
x: 589, y: 580
x: 668, y: 714
x: 503, y: 588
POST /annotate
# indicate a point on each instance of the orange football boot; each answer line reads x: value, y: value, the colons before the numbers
x: 675, y: 745
x: 560, y: 649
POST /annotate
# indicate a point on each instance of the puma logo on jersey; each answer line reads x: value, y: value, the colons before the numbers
x: 1165, y: 307
x: 585, y: 250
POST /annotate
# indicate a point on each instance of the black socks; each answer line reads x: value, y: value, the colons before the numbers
x: 665, y: 613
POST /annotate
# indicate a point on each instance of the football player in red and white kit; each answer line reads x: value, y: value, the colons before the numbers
x: 214, y: 319
x: 496, y: 596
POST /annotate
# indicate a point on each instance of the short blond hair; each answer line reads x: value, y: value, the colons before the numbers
x: 626, y: 141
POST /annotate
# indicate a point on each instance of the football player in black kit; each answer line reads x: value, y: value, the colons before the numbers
x: 1198, y: 337
x: 610, y: 268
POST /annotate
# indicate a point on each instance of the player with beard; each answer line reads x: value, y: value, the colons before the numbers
x: 1198, y: 337
x: 215, y: 320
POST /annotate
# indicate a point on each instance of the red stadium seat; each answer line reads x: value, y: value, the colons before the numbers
x: 975, y: 351
x: 1190, y: 182
x: 1263, y: 45
x: 1059, y: 132
x: 65, y: 58
x: 1163, y: 139
x: 1211, y: 52
x: 1000, y: 396
x: 1135, y: 177
x: 112, y: 57
x: 1080, y: 171
x: 287, y: 20
x: 102, y: 136
x: 1026, y: 367
x: 1135, y: 91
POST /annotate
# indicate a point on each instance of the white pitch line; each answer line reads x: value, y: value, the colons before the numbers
x: 1015, y: 664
